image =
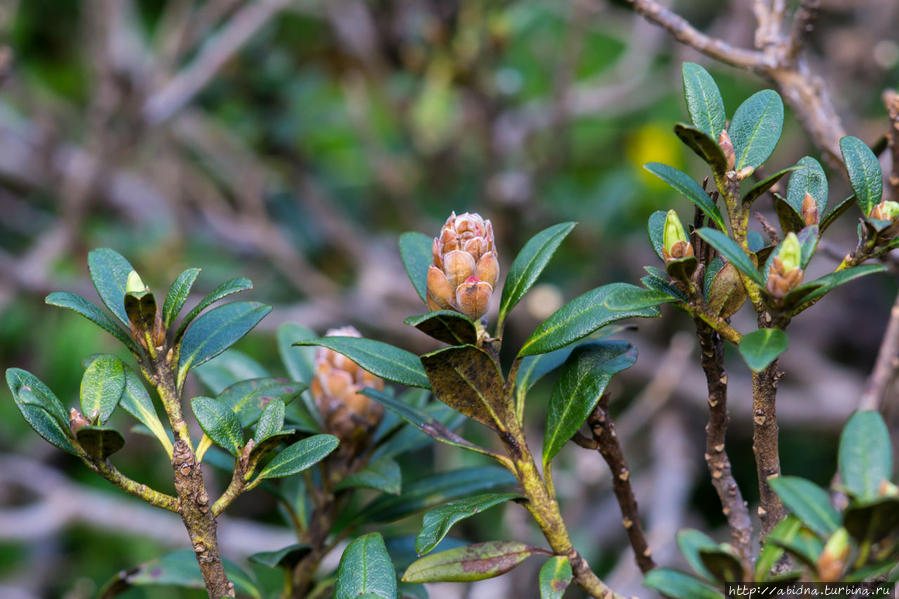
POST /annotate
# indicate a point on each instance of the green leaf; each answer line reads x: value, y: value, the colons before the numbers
x: 229, y: 368
x: 656, y: 229
x: 415, y: 251
x: 755, y: 128
x: 299, y: 361
x: 760, y: 348
x: 865, y: 175
x: 380, y: 359
x: 836, y: 212
x: 688, y: 188
x: 286, y: 557
x: 99, y: 442
x: 365, y: 570
x: 247, y: 399
x: 764, y: 185
x: 109, y: 272
x: 590, y: 311
x: 438, y: 521
x: 469, y: 563
x: 866, y: 456
x: 529, y: 263
x: 381, y: 475
x: 703, y: 146
x: 219, y: 423
x: 177, y: 295
x: 222, y: 291
x: 468, y: 380
x: 784, y: 531
x: 217, y: 330
x: 136, y: 401
x: 691, y: 542
x: 808, y: 243
x: 704, y: 101
x: 790, y: 220
x: 445, y: 325
x: 101, y: 388
x: 533, y: 368
x: 809, y: 502
x: 812, y: 290
x: 872, y: 520
x: 581, y: 383
x: 678, y: 585
x: 76, y: 303
x: 40, y: 408
x: 271, y: 421
x: 722, y: 563
x: 555, y: 576
x: 804, y: 545
x: 299, y: 456
x: 808, y: 178
x: 728, y: 248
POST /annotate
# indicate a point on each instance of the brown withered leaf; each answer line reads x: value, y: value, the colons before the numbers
x: 467, y: 379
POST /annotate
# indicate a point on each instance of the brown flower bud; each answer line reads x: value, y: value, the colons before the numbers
x: 886, y: 210
x: 466, y: 268
x: 77, y: 421
x: 347, y: 413
x: 728, y: 148
x: 809, y: 210
x: 834, y: 556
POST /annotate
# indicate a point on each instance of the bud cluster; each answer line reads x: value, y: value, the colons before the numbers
x: 675, y: 244
x: 465, y: 269
x: 886, y: 210
x: 785, y: 272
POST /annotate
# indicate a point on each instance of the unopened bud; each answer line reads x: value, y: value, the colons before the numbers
x: 809, y: 211
x: 888, y: 489
x: 77, y: 421
x: 745, y: 172
x: 834, y: 556
x: 785, y: 273
x: 726, y: 292
x: 790, y: 253
x: 675, y: 244
x: 135, y: 284
x: 727, y: 147
x: 886, y: 210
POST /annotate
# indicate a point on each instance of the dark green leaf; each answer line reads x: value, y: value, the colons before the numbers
x: 383, y: 360
x: 865, y: 175
x: 808, y: 243
x: 663, y: 286
x: 528, y: 265
x: 445, y: 325
x: 784, y: 531
x: 728, y: 248
x: 656, y: 228
x: 872, y: 572
x: 415, y: 251
x: 109, y: 272
x: 265, y: 447
x: 755, y: 128
x: 804, y: 545
x: 99, y: 442
x: 681, y: 269
x: 866, y: 457
x: 764, y: 185
x: 435, y: 421
x: 809, y: 502
x: 872, y: 520
x: 365, y: 570
x: 812, y: 290
x: 835, y: 213
x: 41, y: 394
x: 299, y: 361
x: 469, y: 563
x: 722, y: 563
x: 688, y: 188
x: 177, y: 295
x: 31, y: 397
x: 555, y: 576
x: 760, y: 348
x: 299, y: 456
x: 222, y: 291
x: 809, y: 178
x: 219, y: 423
x: 438, y: 521
x: 286, y: 557
x: 217, y: 330
x: 690, y: 543
x: 704, y: 101
x: 678, y: 585
x: 229, y: 368
x: 581, y: 383
x: 381, y: 475
x: 76, y: 303
x: 468, y: 380
x: 271, y: 421
x: 101, y: 388
x: 136, y: 401
x: 790, y: 220
x: 533, y: 368
x: 703, y: 146
x: 590, y: 311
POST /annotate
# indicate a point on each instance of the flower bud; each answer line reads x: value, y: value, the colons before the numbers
x: 886, y: 210
x: 337, y: 390
x: 675, y: 244
x: 809, y: 211
x: 727, y: 147
x: 77, y: 421
x: 134, y: 284
x: 726, y: 292
x: 745, y: 172
x: 785, y: 272
x: 834, y: 556
x: 143, y: 313
x: 466, y: 268
x: 887, y: 489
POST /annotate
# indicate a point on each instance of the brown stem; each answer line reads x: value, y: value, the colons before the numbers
x: 732, y: 503
x: 886, y: 365
x: 609, y: 447
x: 765, y: 444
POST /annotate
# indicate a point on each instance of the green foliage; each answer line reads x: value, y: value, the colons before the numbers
x: 271, y: 421
x: 808, y: 178
x: 298, y: 457
x: 469, y: 563
x: 760, y: 348
x: 177, y: 295
x: 678, y: 585
x: 365, y: 570
x: 704, y: 101
x: 78, y: 304
x: 381, y: 359
x: 99, y: 442
x: 382, y: 475
x: 222, y: 291
x: 864, y: 173
x: 438, y: 521
x: 688, y: 188
x: 866, y: 456
x: 733, y: 252
x: 555, y: 576
x: 446, y: 325
x: 415, y: 251
x: 219, y: 423
x: 40, y: 408
x: 101, y: 388
x: 755, y: 128
x: 109, y: 272
x: 809, y: 502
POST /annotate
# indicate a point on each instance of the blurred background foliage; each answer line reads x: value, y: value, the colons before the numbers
x: 292, y: 141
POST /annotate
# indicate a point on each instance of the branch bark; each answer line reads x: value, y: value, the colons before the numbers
x: 765, y: 444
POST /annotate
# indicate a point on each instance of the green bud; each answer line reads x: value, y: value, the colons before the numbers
x: 135, y: 284
x: 833, y: 558
x: 790, y: 253
x: 887, y: 210
x: 674, y: 231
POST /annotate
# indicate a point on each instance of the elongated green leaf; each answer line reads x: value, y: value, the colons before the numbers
x: 286, y: 557
x: 219, y: 423
x: 533, y: 368
x: 866, y: 457
x: 703, y: 146
x: 227, y: 369
x: 472, y: 562
x: 760, y: 348
x: 222, y: 291
x: 808, y: 178
x: 789, y: 219
x: 40, y: 408
x: 872, y: 520
x: 100, y: 442
x: 177, y: 295
x: 809, y: 502
x: 785, y: 531
x: 764, y: 185
x: 808, y: 243
x: 365, y: 570
x: 271, y: 421
x: 728, y: 248
x: 299, y: 456
x: 299, y: 361
x: 101, y: 388
x: 555, y: 576
x: 722, y: 562
x: 445, y: 325
x: 468, y: 380
x: 755, y: 128
x: 381, y: 475
x: 704, y: 101
x: 581, y: 383
x: 691, y: 542
x: 415, y: 251
x: 529, y: 263
x: 109, y: 273
x: 383, y: 360
x: 804, y: 545
x: 688, y: 188
x: 590, y: 311
x: 136, y: 401
x: 438, y: 521
x: 656, y: 229
x: 808, y: 292
x: 678, y: 585
x: 865, y: 175
x: 836, y: 212
x: 76, y: 303
x: 217, y: 330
